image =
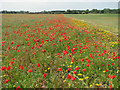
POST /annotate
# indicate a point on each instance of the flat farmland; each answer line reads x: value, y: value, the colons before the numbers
x: 53, y: 51
x: 108, y: 22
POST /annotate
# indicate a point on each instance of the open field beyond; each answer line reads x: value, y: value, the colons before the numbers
x: 53, y: 51
x: 106, y: 21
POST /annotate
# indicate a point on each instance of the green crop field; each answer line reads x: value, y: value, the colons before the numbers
x: 54, y: 51
x: 107, y: 21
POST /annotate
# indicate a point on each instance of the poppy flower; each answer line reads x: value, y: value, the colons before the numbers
x: 60, y: 56
x: 77, y: 68
x: 84, y: 70
x: 38, y: 65
x: 27, y: 43
x: 69, y: 55
x: 44, y: 75
x: 109, y: 76
x: 38, y: 40
x: 40, y: 45
x: 113, y: 76
x: 119, y: 75
x: 106, y: 70
x: 60, y: 69
x: 88, y: 65
x: 18, y: 88
x: 6, y: 81
x: 11, y: 63
x: 5, y: 54
x: 18, y: 50
x: 13, y: 58
x: 3, y: 42
x: 29, y: 70
x: 2, y: 68
x: 11, y: 42
x: 102, y: 64
x: 69, y: 69
x: 17, y: 45
x: 110, y: 86
x: 68, y: 76
x: 8, y: 68
x: 21, y: 67
x: 112, y: 64
x: 46, y: 39
x: 72, y: 79
x: 57, y: 53
x: 74, y: 72
x: 32, y: 47
x: 53, y: 44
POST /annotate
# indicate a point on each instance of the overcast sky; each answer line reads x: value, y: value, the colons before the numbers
x: 40, y: 5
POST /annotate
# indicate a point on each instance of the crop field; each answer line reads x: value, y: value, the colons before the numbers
x: 53, y: 51
x: 108, y: 22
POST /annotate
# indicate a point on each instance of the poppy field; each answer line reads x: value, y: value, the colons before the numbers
x: 53, y: 51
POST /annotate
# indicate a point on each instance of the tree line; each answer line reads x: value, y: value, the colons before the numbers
x: 87, y: 11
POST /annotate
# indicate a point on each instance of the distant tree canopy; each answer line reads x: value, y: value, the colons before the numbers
x: 87, y: 11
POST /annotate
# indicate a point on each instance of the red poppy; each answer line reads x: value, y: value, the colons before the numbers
x: 77, y: 68
x: 18, y: 50
x: 11, y: 63
x: 21, y: 67
x: 32, y: 47
x: 72, y: 79
x: 60, y: 56
x: 3, y: 42
x: 8, y: 68
x: 11, y: 42
x: 38, y: 40
x: 68, y: 76
x: 40, y: 45
x: 18, y: 88
x: 60, y: 69
x: 84, y: 70
x: 74, y: 72
x: 2, y: 68
x: 27, y: 43
x: 106, y: 70
x: 110, y: 86
x: 113, y: 76
x: 38, y: 65
x: 109, y: 76
x: 88, y: 65
x: 44, y: 75
x: 57, y: 53
x: 69, y: 69
x: 119, y: 75
x: 13, y: 58
x: 112, y: 64
x: 6, y: 81
x: 53, y: 44
x: 17, y: 45
x: 29, y: 70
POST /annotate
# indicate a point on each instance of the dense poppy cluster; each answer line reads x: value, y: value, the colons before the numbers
x: 55, y: 51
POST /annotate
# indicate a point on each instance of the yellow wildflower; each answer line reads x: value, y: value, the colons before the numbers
x: 80, y: 79
x: 79, y: 74
x: 104, y: 71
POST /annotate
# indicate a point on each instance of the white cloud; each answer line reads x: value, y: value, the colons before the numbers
x: 40, y: 6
